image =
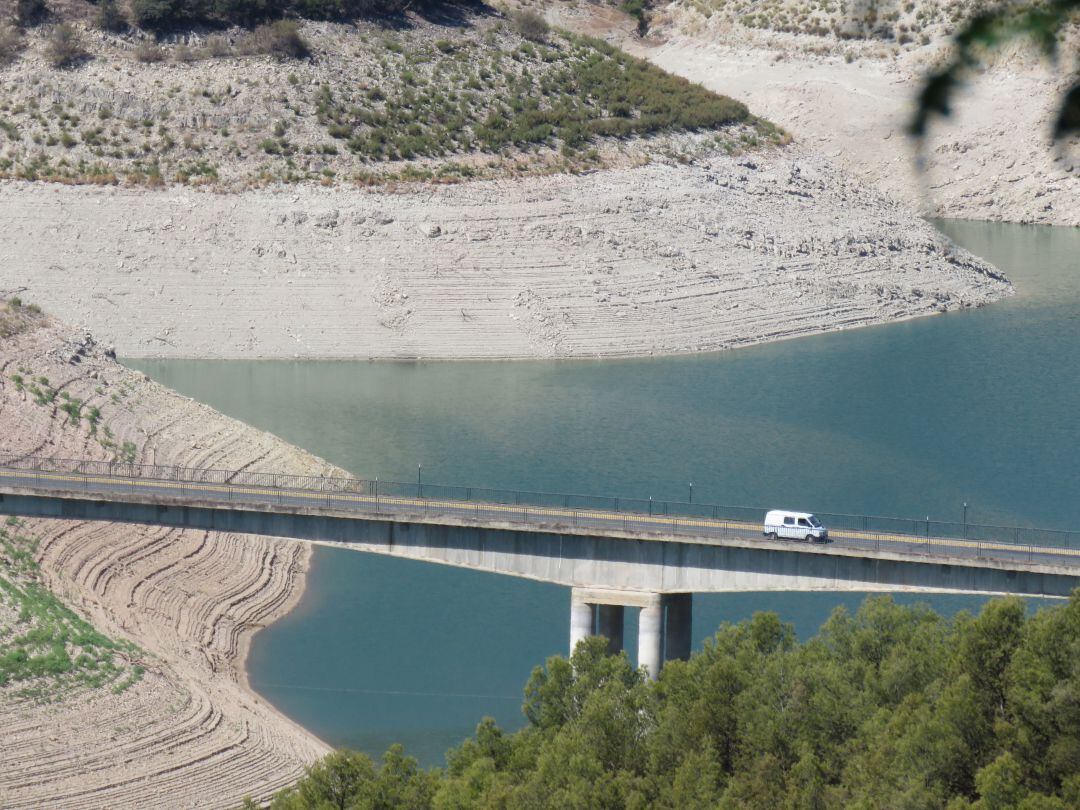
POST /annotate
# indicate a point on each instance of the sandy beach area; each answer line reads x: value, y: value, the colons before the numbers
x: 189, y: 733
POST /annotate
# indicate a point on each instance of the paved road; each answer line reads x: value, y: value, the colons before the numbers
x: 699, y: 529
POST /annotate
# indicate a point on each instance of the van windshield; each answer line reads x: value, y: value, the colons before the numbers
x: 815, y: 522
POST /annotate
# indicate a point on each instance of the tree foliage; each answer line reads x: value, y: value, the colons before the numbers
x: 30, y: 12
x: 1041, y: 22
x: 890, y: 707
x: 163, y: 15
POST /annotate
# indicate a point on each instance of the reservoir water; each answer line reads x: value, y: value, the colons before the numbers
x: 914, y: 419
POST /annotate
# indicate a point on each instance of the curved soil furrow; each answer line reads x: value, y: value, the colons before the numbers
x: 188, y: 733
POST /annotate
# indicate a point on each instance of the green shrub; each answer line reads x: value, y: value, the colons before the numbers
x: 344, y: 9
x: 281, y: 39
x: 64, y: 47
x: 531, y: 26
x: 109, y: 17
x: 30, y: 12
x: 159, y: 15
x: 247, y: 12
x: 12, y: 43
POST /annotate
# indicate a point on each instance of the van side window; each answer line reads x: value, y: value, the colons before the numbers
x: 789, y: 521
x: 804, y: 522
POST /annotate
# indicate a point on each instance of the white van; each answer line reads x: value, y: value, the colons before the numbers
x: 794, y: 526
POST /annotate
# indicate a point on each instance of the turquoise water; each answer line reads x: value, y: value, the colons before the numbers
x: 907, y: 419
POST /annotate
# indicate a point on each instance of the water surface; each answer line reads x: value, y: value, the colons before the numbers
x: 912, y: 419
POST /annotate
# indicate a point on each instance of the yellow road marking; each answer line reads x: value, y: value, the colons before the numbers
x: 658, y: 521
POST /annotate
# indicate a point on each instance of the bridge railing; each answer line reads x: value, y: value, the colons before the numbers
x: 668, y: 517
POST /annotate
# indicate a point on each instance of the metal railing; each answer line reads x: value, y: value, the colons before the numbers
x: 636, y: 515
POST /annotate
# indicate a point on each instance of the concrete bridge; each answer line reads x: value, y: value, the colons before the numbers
x: 611, y: 558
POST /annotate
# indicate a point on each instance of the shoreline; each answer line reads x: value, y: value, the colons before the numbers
x: 607, y: 358
x: 296, y: 596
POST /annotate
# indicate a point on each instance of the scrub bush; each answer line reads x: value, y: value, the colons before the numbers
x: 149, y: 52
x: 531, y: 26
x: 110, y: 18
x: 30, y: 12
x: 11, y: 44
x: 281, y: 39
x: 64, y: 48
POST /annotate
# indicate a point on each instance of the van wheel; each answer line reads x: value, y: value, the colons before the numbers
x: 771, y: 536
x: 809, y: 538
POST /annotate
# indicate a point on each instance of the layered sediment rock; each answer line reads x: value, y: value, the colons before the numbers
x: 689, y: 256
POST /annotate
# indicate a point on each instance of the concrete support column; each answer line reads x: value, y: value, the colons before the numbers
x: 678, y: 616
x: 609, y: 623
x: 650, y: 624
x: 581, y: 621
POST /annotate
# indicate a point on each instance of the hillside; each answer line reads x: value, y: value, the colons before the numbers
x: 122, y: 646
x: 842, y: 77
x: 480, y: 95
x: 902, y: 22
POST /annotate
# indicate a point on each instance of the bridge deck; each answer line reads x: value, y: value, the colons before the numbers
x: 367, y: 502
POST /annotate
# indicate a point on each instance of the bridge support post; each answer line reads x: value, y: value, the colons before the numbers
x: 664, y: 631
x: 589, y: 617
x: 650, y: 624
x: 581, y: 620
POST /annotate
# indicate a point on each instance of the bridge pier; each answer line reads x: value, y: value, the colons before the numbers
x: 650, y: 634
x: 664, y: 623
x: 581, y: 622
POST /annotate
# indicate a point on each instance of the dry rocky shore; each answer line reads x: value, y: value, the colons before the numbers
x: 188, y: 733
x: 698, y: 254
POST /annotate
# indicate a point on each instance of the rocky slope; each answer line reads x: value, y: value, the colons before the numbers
x: 846, y: 87
x: 370, y: 102
x: 188, y: 734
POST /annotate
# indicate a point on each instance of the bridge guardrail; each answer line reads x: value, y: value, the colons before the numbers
x: 583, y: 511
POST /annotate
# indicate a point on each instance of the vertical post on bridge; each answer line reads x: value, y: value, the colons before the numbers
x: 581, y: 620
x: 650, y: 622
